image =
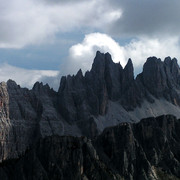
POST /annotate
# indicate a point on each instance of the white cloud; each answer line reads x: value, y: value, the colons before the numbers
x: 81, y: 55
x: 33, y: 22
x: 140, y: 50
x: 25, y: 77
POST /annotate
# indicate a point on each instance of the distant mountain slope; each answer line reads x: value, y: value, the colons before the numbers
x: 148, y: 150
x: 86, y: 104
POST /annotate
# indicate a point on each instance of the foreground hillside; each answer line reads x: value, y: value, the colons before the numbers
x: 148, y: 150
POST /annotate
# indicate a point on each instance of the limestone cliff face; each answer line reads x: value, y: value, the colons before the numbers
x: 5, y: 125
x: 148, y: 150
x: 162, y: 78
x: 85, y: 104
x: 142, y: 150
x: 26, y: 115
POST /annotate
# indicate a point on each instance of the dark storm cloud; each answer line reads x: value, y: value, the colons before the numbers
x: 147, y: 18
x: 25, y: 23
x: 54, y: 2
x: 34, y: 22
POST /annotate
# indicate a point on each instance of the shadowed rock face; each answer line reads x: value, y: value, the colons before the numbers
x: 146, y: 150
x: 85, y: 104
x: 57, y: 157
x: 139, y: 150
x: 26, y: 115
x: 162, y: 78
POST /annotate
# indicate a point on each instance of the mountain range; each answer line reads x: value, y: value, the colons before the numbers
x: 105, y: 105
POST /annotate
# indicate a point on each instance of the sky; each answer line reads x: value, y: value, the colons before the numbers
x: 43, y: 40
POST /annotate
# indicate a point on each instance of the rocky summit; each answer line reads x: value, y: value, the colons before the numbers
x: 86, y: 104
x: 148, y: 150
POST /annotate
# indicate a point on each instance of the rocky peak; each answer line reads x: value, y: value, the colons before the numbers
x: 161, y: 79
x: 172, y: 65
x: 62, y: 84
x: 128, y: 74
x: 152, y: 65
x: 172, y: 72
x: 66, y: 83
x: 108, y: 58
x: 154, y: 76
x: 174, y: 61
x: 98, y: 65
x: 102, y: 61
x: 167, y: 61
x: 12, y: 84
x: 175, y: 71
x: 38, y: 86
x: 79, y: 80
x: 79, y: 74
x: 129, y: 65
x: 129, y: 70
x: 113, y: 77
x: 40, y: 89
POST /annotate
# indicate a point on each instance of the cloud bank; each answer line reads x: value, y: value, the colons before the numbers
x: 81, y: 55
x: 25, y: 77
x: 33, y: 22
x: 147, y: 18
